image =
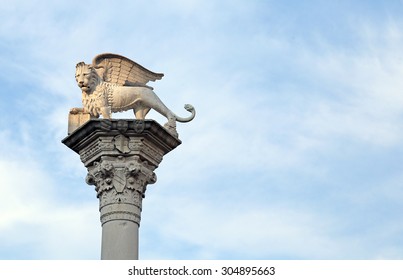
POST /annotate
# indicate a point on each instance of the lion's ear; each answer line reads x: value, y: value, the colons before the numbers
x: 120, y: 70
x: 80, y: 64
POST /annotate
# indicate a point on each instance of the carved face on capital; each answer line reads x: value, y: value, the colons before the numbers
x: 85, y: 77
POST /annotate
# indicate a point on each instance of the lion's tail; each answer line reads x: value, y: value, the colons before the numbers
x: 190, y: 109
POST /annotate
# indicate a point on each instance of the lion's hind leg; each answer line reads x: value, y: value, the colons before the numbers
x: 171, y: 124
x: 140, y: 112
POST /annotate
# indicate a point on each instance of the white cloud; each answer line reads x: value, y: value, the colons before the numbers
x: 245, y: 230
x: 35, y: 215
x: 361, y: 89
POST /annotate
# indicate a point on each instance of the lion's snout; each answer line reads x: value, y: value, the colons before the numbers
x: 83, y: 86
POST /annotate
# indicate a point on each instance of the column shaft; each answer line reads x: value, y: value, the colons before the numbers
x: 120, y: 240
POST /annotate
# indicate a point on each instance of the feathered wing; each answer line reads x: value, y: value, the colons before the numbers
x: 120, y: 70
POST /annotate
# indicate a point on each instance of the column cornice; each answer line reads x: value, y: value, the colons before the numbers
x: 99, y: 137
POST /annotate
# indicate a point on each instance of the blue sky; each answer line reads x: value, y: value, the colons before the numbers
x: 295, y: 153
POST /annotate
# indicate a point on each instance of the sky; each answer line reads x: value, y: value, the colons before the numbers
x: 295, y: 152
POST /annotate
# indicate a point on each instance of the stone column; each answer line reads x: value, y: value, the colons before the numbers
x: 121, y: 156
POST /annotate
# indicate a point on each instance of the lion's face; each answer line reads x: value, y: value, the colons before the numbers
x: 85, y: 77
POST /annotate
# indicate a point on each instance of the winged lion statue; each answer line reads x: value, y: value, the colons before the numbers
x: 114, y: 83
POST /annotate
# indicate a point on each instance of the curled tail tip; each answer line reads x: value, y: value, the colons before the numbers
x: 189, y: 107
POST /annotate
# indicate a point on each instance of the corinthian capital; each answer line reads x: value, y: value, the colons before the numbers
x: 120, y: 183
x: 120, y: 173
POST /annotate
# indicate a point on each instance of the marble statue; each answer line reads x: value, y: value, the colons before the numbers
x: 114, y: 83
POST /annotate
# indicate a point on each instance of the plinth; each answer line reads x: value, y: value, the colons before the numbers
x: 121, y: 156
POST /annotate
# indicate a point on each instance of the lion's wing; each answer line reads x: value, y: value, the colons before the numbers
x: 120, y: 70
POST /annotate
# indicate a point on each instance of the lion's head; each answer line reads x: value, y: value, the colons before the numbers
x: 86, y: 77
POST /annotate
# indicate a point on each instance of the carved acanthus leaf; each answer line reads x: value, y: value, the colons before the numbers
x: 131, y: 173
